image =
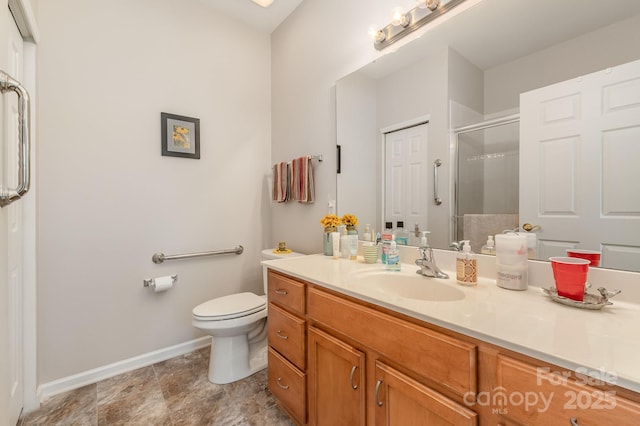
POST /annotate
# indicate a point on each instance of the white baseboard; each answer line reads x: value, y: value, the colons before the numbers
x: 47, y: 390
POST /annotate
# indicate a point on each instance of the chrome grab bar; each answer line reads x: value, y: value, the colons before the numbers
x: 436, y: 198
x: 7, y: 195
x: 161, y: 257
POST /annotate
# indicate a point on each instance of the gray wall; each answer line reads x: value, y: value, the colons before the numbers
x: 321, y: 42
x: 609, y: 46
x: 107, y: 199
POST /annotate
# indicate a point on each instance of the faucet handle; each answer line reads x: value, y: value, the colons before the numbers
x: 457, y: 246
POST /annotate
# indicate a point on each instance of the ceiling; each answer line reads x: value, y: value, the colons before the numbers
x: 257, y: 17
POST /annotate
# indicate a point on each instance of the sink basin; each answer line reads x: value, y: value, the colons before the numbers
x: 409, y: 286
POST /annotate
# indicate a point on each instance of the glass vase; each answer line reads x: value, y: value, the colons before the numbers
x: 327, y: 243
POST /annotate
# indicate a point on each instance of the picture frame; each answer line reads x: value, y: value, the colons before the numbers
x: 180, y: 135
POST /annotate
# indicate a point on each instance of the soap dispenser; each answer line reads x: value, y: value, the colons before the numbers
x: 367, y: 233
x: 393, y: 257
x: 489, y: 247
x: 423, y: 239
x: 466, y: 266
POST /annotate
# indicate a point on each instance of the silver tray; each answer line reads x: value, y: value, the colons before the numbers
x: 590, y: 301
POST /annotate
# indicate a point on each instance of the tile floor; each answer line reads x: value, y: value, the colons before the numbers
x: 175, y: 392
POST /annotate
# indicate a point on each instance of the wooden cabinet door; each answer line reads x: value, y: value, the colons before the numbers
x: 402, y: 401
x: 336, y: 381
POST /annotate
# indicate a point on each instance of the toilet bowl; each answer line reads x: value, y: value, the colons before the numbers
x: 237, y: 324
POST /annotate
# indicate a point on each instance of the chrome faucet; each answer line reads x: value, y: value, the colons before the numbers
x: 427, y: 264
x: 456, y: 246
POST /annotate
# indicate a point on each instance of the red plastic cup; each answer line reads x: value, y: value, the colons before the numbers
x: 591, y: 255
x: 570, y: 274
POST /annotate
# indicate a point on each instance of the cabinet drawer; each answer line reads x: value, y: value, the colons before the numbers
x: 289, y: 385
x: 540, y: 396
x: 286, y: 292
x: 448, y: 361
x: 287, y: 335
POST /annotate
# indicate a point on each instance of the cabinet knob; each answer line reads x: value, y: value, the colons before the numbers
x: 283, y: 292
x: 282, y: 336
x: 378, y: 402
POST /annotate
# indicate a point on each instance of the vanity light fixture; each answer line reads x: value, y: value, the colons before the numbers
x: 405, y: 23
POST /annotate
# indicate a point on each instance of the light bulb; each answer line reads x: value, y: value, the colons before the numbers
x: 399, y: 17
x: 379, y: 36
x: 263, y: 3
x: 432, y: 4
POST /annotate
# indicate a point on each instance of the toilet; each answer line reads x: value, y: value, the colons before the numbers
x: 237, y: 324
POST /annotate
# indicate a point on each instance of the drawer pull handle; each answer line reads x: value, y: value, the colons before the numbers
x: 574, y: 421
x: 378, y: 402
x: 283, y: 292
x: 285, y: 387
x: 281, y: 335
x: 353, y: 370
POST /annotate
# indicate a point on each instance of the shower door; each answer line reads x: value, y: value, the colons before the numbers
x: 487, y: 176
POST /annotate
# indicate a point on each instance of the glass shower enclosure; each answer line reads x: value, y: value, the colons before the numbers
x: 486, y: 179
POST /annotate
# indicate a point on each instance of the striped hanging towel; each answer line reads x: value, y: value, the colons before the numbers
x: 303, y: 188
x: 281, y: 183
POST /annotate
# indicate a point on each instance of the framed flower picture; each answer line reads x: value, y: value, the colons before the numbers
x: 180, y: 135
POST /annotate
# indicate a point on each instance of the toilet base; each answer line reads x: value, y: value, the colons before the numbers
x: 233, y: 358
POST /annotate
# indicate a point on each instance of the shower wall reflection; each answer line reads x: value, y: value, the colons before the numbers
x: 486, y: 180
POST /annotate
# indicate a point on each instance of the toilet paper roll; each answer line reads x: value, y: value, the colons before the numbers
x: 161, y: 284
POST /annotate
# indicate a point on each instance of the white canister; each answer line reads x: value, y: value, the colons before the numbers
x: 532, y: 244
x: 512, y: 269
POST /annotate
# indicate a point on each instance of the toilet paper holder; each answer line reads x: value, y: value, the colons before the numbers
x: 151, y: 283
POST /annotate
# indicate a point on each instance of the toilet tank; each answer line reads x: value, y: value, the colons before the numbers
x: 268, y: 254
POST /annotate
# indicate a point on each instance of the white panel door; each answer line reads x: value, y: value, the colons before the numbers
x: 579, y: 156
x: 11, y: 224
x: 406, y: 178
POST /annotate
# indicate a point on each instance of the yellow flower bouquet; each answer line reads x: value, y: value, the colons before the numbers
x: 349, y: 220
x: 330, y: 221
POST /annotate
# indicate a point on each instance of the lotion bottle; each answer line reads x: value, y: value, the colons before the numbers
x: 466, y: 266
x: 335, y: 244
x: 393, y: 257
x: 344, y: 244
x: 352, y: 241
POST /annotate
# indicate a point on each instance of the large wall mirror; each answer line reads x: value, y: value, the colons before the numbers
x: 401, y: 158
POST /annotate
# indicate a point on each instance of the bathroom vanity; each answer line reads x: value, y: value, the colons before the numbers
x: 345, y: 349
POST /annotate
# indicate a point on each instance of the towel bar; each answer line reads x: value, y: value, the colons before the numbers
x: 161, y: 257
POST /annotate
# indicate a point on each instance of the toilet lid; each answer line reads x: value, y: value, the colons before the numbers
x: 231, y: 306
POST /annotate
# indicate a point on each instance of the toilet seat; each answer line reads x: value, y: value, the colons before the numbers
x: 230, y: 307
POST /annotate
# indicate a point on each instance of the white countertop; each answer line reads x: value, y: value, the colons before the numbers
x: 602, y: 342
